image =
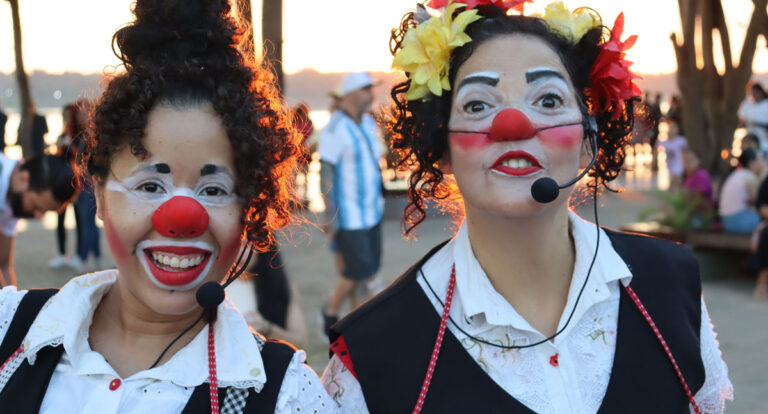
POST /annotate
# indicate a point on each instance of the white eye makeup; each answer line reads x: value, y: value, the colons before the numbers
x: 548, y: 92
x: 477, y: 95
x: 153, y: 184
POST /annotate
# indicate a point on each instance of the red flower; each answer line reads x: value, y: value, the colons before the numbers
x: 612, y: 81
x: 505, y: 5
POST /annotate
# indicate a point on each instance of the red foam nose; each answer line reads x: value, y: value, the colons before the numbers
x: 180, y: 217
x: 511, y: 125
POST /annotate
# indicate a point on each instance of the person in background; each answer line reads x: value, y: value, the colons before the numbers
x: 673, y: 148
x: 753, y: 113
x: 299, y: 114
x: 3, y: 122
x: 675, y: 110
x: 269, y: 301
x: 739, y: 193
x: 751, y: 141
x: 351, y: 186
x: 28, y: 189
x: 654, y: 119
x: 88, y: 235
x: 71, y: 128
x: 760, y: 244
x: 39, y: 129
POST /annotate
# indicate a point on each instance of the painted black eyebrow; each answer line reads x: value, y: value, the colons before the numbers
x: 209, y: 169
x: 162, y: 168
x: 535, y: 75
x: 487, y: 80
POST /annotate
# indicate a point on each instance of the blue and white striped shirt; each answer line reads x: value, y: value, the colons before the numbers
x: 354, y: 149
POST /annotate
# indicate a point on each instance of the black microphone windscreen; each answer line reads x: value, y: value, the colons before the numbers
x: 210, y: 295
x: 545, y: 190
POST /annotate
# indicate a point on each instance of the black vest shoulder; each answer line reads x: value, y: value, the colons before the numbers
x: 390, y: 339
x: 26, y: 388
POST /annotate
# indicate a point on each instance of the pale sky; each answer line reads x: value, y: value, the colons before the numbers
x: 326, y: 35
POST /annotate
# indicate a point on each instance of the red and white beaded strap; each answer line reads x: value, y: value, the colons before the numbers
x: 438, y: 342
x: 213, y: 382
x: 10, y: 366
x: 648, y: 318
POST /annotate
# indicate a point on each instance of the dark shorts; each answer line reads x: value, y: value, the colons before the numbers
x: 360, y: 251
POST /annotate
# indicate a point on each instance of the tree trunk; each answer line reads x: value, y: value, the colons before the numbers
x: 25, y: 127
x: 710, y: 99
x: 272, y: 35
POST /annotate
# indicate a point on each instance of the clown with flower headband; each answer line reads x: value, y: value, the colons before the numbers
x: 528, y: 308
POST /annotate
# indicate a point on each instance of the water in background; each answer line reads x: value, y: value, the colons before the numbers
x: 55, y: 126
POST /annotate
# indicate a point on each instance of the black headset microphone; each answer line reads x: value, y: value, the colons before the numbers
x: 546, y: 190
x: 211, y: 294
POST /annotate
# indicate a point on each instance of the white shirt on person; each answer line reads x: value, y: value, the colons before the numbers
x: 673, y: 149
x: 7, y: 219
x: 354, y: 149
x: 755, y: 117
x: 81, y: 380
x: 735, y: 195
x: 585, y: 349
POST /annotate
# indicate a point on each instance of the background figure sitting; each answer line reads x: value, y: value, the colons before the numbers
x: 753, y: 113
x: 739, y: 192
x: 697, y: 183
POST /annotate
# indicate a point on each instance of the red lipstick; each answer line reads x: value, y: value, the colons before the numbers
x: 534, y: 166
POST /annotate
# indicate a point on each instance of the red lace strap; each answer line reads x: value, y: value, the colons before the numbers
x: 438, y: 342
x: 13, y: 356
x: 213, y: 385
x: 648, y: 318
x: 339, y: 348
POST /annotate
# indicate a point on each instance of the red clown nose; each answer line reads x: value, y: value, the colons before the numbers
x: 180, y: 217
x: 511, y: 125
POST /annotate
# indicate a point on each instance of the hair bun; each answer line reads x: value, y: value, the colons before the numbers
x: 176, y: 30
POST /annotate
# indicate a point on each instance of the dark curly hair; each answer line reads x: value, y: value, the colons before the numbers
x: 419, y: 128
x: 184, y: 53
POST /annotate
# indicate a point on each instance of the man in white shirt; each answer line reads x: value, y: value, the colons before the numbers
x: 753, y: 113
x: 351, y: 181
x: 27, y: 190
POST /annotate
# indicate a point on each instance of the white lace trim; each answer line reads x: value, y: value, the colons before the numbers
x: 31, y: 355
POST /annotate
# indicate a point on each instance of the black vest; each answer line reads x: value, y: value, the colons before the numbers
x: 26, y: 389
x: 390, y: 340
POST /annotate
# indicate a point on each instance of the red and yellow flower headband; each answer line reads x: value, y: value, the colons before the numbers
x: 426, y: 49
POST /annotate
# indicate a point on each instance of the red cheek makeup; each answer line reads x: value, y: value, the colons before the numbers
x: 563, y: 136
x: 116, y: 246
x: 470, y: 140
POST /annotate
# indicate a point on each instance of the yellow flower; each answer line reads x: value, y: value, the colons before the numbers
x: 426, y: 51
x: 572, y: 26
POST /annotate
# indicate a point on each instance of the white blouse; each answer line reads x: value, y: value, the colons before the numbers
x: 81, y: 380
x: 583, y: 353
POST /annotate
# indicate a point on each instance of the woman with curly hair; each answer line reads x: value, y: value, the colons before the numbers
x: 528, y: 308
x: 191, y: 160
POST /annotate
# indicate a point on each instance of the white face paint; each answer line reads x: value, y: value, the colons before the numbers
x: 170, y: 264
x: 149, y: 186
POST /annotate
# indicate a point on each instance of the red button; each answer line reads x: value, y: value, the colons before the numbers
x: 115, y: 384
x: 553, y: 360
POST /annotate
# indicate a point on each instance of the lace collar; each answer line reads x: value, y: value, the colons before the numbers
x: 66, y: 319
x: 478, y: 296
